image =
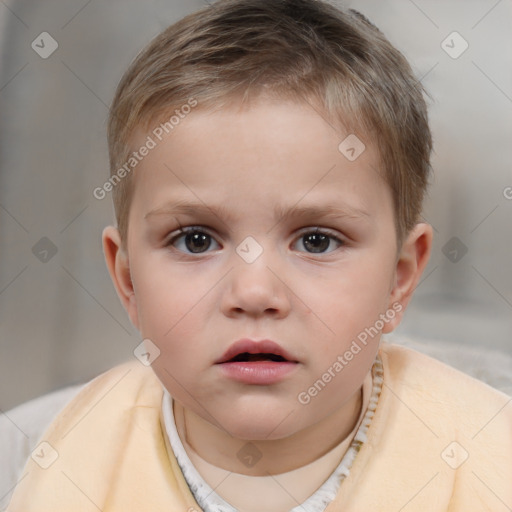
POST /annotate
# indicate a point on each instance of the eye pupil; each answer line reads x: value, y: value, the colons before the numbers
x: 317, y: 241
x: 195, y: 241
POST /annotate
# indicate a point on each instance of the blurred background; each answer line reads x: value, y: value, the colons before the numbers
x: 61, y: 322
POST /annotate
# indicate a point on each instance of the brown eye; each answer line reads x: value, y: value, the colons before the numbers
x: 192, y: 240
x: 197, y: 241
x: 317, y: 242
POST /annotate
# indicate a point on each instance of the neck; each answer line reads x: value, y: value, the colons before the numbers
x: 277, y: 455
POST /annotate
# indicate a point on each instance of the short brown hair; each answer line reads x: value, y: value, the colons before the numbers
x: 304, y: 50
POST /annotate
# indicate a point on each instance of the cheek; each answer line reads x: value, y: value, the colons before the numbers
x: 350, y: 299
x: 169, y: 319
x: 164, y: 299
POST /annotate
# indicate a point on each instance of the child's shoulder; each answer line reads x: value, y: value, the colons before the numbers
x: 438, y: 437
x: 442, y: 391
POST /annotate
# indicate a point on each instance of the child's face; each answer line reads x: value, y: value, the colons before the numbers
x: 194, y: 305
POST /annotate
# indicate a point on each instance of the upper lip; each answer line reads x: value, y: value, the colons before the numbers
x: 254, y: 347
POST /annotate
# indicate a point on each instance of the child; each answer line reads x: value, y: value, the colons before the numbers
x: 291, y: 140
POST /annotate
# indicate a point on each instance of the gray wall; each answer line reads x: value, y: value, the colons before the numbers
x: 60, y: 319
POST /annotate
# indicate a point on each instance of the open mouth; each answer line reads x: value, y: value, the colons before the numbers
x: 246, y: 357
x: 258, y: 352
x: 257, y: 363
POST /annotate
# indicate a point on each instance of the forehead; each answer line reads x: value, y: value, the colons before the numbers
x: 272, y: 152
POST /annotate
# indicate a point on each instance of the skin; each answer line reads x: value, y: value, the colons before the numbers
x: 193, y: 306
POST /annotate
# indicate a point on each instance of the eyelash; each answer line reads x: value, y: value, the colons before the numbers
x: 183, y: 231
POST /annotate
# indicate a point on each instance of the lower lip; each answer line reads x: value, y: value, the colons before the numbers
x: 258, y: 372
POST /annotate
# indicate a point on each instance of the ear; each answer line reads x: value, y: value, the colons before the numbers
x: 411, y: 262
x: 119, y: 270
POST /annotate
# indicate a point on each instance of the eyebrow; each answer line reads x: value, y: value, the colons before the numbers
x: 280, y: 212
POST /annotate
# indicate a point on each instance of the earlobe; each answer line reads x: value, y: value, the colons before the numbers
x: 119, y: 269
x: 411, y: 263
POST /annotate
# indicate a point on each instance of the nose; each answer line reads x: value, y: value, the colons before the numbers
x: 255, y: 289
